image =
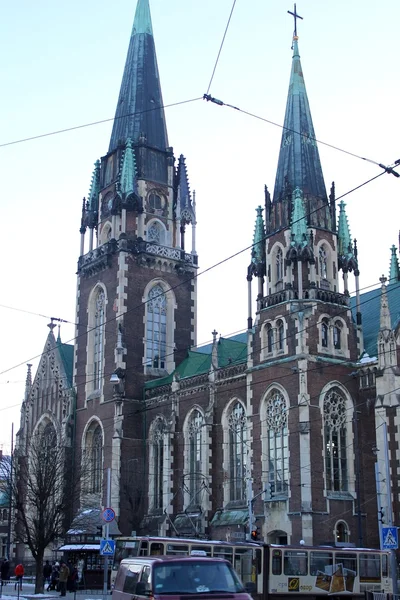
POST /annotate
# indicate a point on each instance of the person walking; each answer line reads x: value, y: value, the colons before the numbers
x: 62, y: 581
x: 53, y: 585
x: 19, y: 574
x: 5, y: 571
x: 47, y: 569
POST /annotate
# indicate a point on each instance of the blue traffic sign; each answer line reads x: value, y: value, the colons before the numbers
x: 389, y: 538
x: 107, y: 547
x: 108, y: 515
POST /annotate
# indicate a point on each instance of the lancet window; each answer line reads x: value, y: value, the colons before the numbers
x: 98, y: 338
x: 237, y: 424
x: 335, y: 434
x: 156, y: 330
x: 195, y: 434
x: 277, y: 440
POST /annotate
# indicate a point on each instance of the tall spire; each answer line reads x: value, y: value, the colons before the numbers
x: 258, y: 250
x: 299, y: 164
x: 394, y: 272
x: 138, y: 112
x: 299, y: 221
x: 387, y: 355
x: 127, y: 181
x: 183, y: 184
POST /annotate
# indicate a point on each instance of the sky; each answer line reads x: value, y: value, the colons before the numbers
x: 62, y: 65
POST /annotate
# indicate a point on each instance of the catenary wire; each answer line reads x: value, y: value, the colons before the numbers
x: 221, y: 46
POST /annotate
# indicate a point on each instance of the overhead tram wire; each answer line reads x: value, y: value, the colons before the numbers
x: 36, y: 137
x: 221, y: 46
x: 171, y: 288
x: 387, y: 169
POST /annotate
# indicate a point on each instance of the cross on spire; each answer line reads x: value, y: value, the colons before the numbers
x: 295, y: 16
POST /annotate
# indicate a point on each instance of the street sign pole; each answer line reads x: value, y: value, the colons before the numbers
x: 393, y: 562
x: 107, y: 532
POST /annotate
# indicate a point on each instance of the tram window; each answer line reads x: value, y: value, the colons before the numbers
x: 206, y: 549
x: 177, y: 549
x: 295, y: 562
x: 243, y: 564
x: 348, y: 561
x: 321, y: 561
x: 156, y: 549
x: 370, y: 567
x: 144, y: 549
x: 276, y: 562
x: 224, y: 552
x: 385, y: 566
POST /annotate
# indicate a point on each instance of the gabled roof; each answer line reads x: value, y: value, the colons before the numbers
x: 370, y: 306
x: 67, y: 356
x: 140, y: 97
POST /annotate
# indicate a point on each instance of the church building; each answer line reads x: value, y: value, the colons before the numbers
x: 278, y: 427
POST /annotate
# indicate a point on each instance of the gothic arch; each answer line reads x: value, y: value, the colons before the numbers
x: 195, y: 455
x: 46, y: 419
x: 106, y: 232
x: 274, y: 408
x: 93, y: 457
x: 324, y: 259
x: 156, y: 232
x: 337, y: 409
x: 277, y: 266
x: 159, y: 464
x: 235, y: 450
x: 97, y: 316
x: 159, y: 324
x: 341, y: 532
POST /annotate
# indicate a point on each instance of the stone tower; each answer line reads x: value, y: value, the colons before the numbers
x: 135, y: 276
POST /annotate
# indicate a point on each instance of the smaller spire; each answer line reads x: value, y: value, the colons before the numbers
x: 298, y: 221
x: 394, y: 270
x: 345, y: 246
x: 142, y: 21
x: 258, y: 250
x: 385, y: 321
x: 183, y: 184
x: 28, y: 381
x: 93, y: 198
x: 128, y: 172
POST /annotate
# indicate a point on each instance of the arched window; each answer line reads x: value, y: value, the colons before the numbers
x: 237, y: 452
x: 98, y: 339
x: 195, y: 431
x: 155, y: 202
x: 323, y: 262
x: 157, y: 464
x: 96, y: 460
x: 280, y: 334
x: 156, y: 330
x: 270, y: 338
x: 324, y: 333
x: 277, y: 435
x: 155, y: 232
x: 335, y: 434
x: 337, y: 332
x: 279, y: 265
x: 341, y: 532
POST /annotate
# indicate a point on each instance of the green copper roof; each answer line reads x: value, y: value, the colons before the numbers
x: 258, y: 250
x: 394, y: 271
x: 139, y: 110
x: 298, y: 221
x: 93, y: 198
x: 370, y: 305
x: 142, y: 22
x: 299, y: 164
x: 230, y: 351
x: 127, y: 180
x: 345, y: 246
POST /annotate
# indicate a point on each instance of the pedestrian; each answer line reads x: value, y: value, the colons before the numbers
x: 47, y: 569
x: 62, y: 582
x: 19, y: 573
x: 5, y: 571
x: 53, y: 585
x: 72, y: 579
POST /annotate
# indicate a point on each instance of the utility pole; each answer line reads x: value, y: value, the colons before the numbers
x: 250, y: 505
x: 10, y: 492
x: 393, y: 562
x: 107, y: 532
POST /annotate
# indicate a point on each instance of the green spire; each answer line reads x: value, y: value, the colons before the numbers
x: 128, y: 173
x: 394, y: 272
x: 299, y: 221
x: 345, y: 246
x: 142, y: 22
x: 258, y: 252
x: 94, y: 191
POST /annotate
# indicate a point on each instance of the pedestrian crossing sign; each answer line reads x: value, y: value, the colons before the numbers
x: 389, y: 538
x: 107, y: 547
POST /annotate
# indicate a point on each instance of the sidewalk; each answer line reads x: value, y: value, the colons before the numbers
x: 28, y: 592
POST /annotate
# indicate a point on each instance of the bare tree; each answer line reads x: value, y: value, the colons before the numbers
x: 45, y: 489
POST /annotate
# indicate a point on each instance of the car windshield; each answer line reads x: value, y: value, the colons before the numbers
x: 195, y: 577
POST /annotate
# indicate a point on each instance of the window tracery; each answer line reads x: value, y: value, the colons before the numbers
x: 98, y: 339
x: 156, y: 330
x: 237, y: 423
x: 335, y: 433
x: 195, y: 434
x: 323, y: 262
x: 277, y: 435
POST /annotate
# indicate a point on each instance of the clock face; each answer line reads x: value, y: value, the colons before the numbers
x: 107, y: 205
